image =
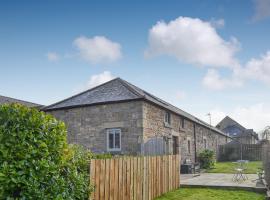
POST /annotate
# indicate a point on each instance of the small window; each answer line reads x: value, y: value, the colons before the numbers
x: 204, y: 143
x: 167, y: 118
x: 114, y: 139
x: 189, y: 148
x: 182, y: 123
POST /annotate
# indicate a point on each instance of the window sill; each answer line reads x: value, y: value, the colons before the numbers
x: 167, y: 125
x: 182, y: 129
x: 114, y: 150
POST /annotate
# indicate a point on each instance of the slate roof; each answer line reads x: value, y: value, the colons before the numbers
x: 232, y: 128
x: 8, y: 100
x: 118, y: 90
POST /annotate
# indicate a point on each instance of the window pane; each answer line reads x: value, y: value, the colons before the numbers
x: 167, y: 117
x: 111, y: 141
x: 183, y: 123
x: 117, y: 140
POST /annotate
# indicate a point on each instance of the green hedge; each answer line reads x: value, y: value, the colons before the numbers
x: 35, y: 160
x: 207, y: 159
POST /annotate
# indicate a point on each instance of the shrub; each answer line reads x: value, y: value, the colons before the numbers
x: 207, y: 159
x: 35, y: 160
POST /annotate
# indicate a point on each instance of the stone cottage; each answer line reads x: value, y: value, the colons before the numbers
x: 237, y: 131
x: 121, y: 118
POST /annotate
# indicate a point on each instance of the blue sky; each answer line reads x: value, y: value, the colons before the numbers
x: 202, y: 56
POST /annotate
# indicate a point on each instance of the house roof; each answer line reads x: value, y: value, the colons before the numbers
x: 8, y: 100
x: 235, y: 123
x: 118, y: 90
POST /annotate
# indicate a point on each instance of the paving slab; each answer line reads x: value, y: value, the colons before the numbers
x: 218, y: 180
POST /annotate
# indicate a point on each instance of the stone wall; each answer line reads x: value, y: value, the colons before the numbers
x: 154, y: 126
x: 143, y: 130
x: 213, y: 139
x: 87, y: 125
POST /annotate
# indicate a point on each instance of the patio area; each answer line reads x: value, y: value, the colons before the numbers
x: 221, y: 180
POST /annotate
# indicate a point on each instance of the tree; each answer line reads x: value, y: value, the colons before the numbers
x: 266, y: 133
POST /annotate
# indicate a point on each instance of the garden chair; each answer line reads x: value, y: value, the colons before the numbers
x: 241, y: 167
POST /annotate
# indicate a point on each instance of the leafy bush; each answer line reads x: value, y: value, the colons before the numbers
x: 35, y: 160
x: 76, y: 171
x: 207, y: 159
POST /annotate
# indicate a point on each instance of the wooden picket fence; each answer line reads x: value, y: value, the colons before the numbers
x: 134, y: 178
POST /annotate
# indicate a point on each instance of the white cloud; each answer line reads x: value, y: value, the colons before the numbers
x: 95, y: 80
x: 214, y: 81
x: 258, y: 69
x: 52, y: 56
x: 193, y: 41
x: 98, y: 49
x: 255, y: 69
x: 98, y: 79
x: 262, y: 10
x: 255, y: 116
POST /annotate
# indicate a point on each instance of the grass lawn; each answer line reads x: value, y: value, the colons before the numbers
x: 211, y: 194
x: 228, y: 167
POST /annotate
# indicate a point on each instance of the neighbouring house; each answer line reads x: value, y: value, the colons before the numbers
x: 9, y: 100
x: 121, y: 118
x: 237, y: 131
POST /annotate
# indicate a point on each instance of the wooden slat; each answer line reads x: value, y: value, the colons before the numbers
x: 178, y: 170
x: 173, y: 172
x: 170, y: 175
x: 149, y: 178
x: 116, y: 178
x: 135, y: 175
x: 97, y: 185
x: 124, y: 183
x: 158, y: 175
x: 107, y: 179
x: 128, y: 178
x: 139, y: 191
x: 112, y: 179
x: 132, y: 179
x: 102, y: 180
x: 145, y: 178
x: 120, y: 183
x: 92, y: 177
x: 161, y: 175
x: 155, y: 176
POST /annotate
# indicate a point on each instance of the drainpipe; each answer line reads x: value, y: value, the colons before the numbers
x: 195, y: 141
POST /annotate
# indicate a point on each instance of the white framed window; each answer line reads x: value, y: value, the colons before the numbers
x: 114, y: 139
x: 167, y: 118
